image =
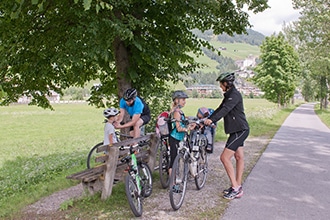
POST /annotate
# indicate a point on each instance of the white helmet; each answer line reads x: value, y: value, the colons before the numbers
x: 110, y: 112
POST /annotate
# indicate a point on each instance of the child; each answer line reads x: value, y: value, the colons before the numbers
x: 109, y: 130
x: 209, y: 131
x: 179, y: 128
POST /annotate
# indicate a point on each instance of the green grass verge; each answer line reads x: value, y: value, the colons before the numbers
x: 323, y: 114
x: 39, y: 148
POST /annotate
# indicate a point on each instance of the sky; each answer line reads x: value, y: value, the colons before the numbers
x: 271, y: 20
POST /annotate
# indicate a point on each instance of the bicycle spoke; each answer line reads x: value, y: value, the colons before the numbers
x: 202, y: 169
x: 164, y: 162
x: 92, y: 155
x: 146, y: 179
x: 178, y: 182
x: 133, y: 196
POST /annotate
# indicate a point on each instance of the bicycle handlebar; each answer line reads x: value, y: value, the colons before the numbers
x: 189, y: 120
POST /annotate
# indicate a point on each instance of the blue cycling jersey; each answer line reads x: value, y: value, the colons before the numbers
x: 136, y: 108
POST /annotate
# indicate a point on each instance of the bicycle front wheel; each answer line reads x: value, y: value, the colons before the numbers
x: 202, y: 169
x: 133, y: 197
x: 146, y: 179
x: 92, y: 155
x: 178, y: 180
x: 164, y: 162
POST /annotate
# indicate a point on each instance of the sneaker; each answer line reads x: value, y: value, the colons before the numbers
x: 226, y: 191
x: 234, y: 194
x: 176, y: 189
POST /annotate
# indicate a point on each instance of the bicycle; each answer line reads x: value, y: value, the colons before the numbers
x: 191, y: 160
x: 164, y: 161
x: 163, y: 128
x: 138, y: 182
x: 93, y: 154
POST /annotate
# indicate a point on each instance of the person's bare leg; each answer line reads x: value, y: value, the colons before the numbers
x: 226, y: 161
x: 136, y: 130
x: 239, y: 156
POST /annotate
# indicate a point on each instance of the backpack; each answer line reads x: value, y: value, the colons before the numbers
x: 163, y: 127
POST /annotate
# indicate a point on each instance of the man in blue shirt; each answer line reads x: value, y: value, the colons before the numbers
x: 137, y: 109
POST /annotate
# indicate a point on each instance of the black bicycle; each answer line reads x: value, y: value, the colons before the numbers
x: 164, y: 161
x: 190, y: 161
x: 93, y: 154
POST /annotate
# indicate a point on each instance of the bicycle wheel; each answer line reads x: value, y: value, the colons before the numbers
x: 92, y: 155
x: 164, y: 162
x: 133, y: 197
x: 146, y: 179
x: 178, y: 180
x: 202, y: 168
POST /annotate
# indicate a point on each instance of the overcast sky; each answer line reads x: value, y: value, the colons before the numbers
x: 271, y: 20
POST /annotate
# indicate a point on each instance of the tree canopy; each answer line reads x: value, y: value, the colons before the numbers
x: 311, y: 36
x: 276, y: 74
x: 48, y: 45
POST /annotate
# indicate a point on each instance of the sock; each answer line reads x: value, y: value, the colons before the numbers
x: 236, y: 189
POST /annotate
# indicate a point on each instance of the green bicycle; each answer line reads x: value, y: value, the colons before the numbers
x: 138, y: 182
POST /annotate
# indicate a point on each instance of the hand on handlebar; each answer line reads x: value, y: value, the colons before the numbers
x: 208, y: 122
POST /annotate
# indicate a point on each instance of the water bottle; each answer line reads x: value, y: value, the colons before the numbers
x: 193, y: 168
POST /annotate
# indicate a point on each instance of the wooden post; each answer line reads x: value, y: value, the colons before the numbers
x: 110, y: 171
x: 154, y: 141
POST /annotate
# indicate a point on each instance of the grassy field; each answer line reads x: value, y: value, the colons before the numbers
x: 40, y: 147
x: 237, y: 51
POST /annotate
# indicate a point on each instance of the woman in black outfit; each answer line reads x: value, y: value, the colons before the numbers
x: 232, y: 111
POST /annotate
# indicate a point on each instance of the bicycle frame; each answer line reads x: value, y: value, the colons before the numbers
x: 133, y: 166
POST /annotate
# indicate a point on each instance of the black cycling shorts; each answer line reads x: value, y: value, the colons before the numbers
x: 145, y: 119
x: 236, y: 140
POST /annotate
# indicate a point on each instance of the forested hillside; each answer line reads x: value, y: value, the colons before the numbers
x: 252, y: 37
x: 232, y: 49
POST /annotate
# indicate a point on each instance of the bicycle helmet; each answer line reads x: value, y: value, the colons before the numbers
x: 227, y: 77
x: 130, y: 94
x: 179, y: 94
x: 110, y: 112
x: 204, y: 111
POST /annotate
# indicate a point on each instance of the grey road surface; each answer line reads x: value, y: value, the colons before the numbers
x: 291, y: 180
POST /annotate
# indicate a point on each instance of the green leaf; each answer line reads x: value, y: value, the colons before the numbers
x: 97, y: 8
x: 41, y: 7
x: 34, y: 2
x: 87, y: 4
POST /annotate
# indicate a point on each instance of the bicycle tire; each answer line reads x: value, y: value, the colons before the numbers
x: 202, y: 168
x: 92, y: 155
x: 163, y: 168
x: 133, y: 197
x: 179, y: 178
x: 146, y: 179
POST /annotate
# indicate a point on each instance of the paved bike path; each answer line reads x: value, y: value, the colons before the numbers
x: 291, y: 180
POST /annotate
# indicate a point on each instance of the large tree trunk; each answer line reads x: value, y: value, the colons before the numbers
x: 122, y: 65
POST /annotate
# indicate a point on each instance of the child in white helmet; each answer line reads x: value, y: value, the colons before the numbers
x: 109, y: 130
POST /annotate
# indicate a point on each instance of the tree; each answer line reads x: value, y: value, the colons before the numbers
x: 277, y: 72
x: 311, y: 35
x: 50, y: 45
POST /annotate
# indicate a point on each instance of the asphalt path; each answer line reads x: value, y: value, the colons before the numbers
x: 291, y: 180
